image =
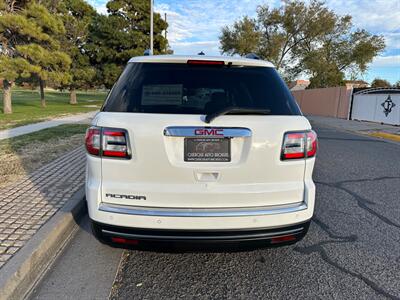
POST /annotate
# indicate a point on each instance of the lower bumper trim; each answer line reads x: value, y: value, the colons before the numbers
x: 242, y: 237
x: 141, y: 234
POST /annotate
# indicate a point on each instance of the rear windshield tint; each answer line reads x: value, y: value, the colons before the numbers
x: 188, y: 89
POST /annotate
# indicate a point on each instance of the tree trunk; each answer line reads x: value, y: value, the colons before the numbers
x: 42, y: 99
x: 7, y: 105
x: 72, y: 98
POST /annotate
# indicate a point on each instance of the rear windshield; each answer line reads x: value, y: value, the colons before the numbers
x: 190, y: 89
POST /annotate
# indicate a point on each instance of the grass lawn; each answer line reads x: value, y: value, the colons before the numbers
x: 27, y: 109
x: 23, y: 154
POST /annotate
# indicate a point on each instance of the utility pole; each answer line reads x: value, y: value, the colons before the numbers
x: 165, y: 19
x: 165, y: 33
x: 151, y: 28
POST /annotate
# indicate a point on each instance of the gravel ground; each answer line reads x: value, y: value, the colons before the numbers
x: 351, y: 251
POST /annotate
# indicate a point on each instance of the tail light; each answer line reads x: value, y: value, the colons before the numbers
x: 115, y: 143
x: 312, y: 143
x: 92, y: 140
x: 299, y: 145
x: 107, y: 142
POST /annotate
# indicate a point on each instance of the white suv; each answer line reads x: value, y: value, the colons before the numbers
x: 200, y: 149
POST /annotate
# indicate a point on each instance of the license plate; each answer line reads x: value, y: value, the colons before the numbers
x: 207, y: 149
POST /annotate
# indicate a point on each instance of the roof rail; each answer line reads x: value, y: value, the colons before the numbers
x: 252, y: 56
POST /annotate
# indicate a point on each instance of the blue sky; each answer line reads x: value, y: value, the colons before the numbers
x: 194, y: 25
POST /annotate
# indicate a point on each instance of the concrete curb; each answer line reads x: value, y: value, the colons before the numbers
x: 385, y: 135
x: 19, y: 275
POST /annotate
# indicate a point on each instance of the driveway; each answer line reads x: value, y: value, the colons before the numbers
x: 352, y: 249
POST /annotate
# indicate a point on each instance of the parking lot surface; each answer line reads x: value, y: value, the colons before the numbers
x: 352, y: 250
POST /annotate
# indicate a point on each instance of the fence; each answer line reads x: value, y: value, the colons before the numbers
x: 329, y: 102
x: 377, y: 105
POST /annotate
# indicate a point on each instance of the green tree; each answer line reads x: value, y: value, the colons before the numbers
x: 122, y: 34
x: 277, y: 33
x: 28, y: 47
x: 77, y: 16
x: 300, y: 38
x: 241, y: 38
x: 397, y: 84
x: 342, y: 52
x: 54, y: 69
x: 380, y: 83
x: 12, y: 66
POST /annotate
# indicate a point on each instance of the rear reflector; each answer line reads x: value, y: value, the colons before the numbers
x: 283, y: 239
x: 299, y: 145
x: 206, y: 62
x: 119, y: 240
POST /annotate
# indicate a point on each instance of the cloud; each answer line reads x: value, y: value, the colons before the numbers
x: 99, y: 5
x: 392, y: 61
x: 195, y: 21
x: 376, y: 16
x: 195, y: 25
x: 179, y: 28
x: 380, y: 17
x: 393, y: 40
x: 208, y: 47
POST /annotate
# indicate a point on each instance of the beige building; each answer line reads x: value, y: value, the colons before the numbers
x: 298, y: 85
x: 356, y: 84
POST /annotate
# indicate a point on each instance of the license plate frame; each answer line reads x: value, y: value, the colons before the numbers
x: 207, y: 149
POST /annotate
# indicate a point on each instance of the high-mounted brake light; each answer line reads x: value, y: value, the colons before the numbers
x: 206, y: 62
x: 107, y: 142
x: 299, y: 145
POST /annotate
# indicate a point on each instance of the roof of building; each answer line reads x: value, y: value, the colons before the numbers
x: 299, y: 82
x: 356, y: 81
x: 302, y: 81
x: 184, y: 58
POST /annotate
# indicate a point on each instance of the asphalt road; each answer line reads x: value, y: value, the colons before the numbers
x: 84, y: 270
x: 352, y: 250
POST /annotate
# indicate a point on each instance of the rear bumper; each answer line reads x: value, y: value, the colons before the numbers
x: 204, y: 213
x: 283, y: 235
x: 265, y: 217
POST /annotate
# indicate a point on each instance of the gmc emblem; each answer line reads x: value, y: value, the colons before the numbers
x: 209, y: 131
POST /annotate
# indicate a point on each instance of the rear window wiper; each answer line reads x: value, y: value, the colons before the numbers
x: 236, y: 110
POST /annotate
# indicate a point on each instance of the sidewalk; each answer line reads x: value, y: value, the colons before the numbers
x: 13, y: 132
x: 356, y: 126
x: 28, y: 204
